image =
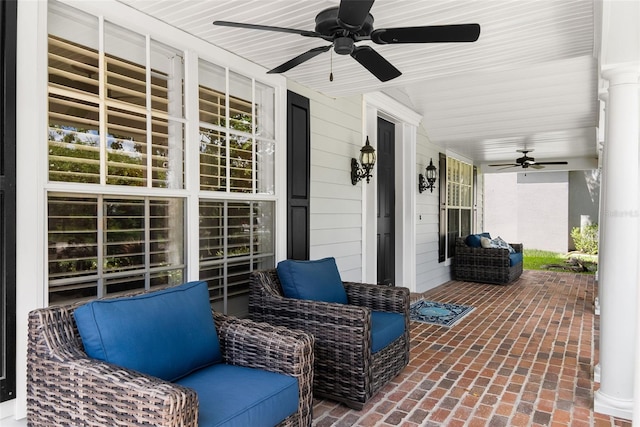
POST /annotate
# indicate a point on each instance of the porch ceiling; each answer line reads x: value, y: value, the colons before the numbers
x: 531, y: 80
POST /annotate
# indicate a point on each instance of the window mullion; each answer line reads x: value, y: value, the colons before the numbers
x: 102, y: 95
x: 147, y: 243
x: 102, y: 227
x: 227, y: 139
x: 225, y: 256
x: 254, y: 160
x: 148, y: 112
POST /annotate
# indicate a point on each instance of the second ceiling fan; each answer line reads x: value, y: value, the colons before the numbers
x: 350, y: 23
x: 527, y: 162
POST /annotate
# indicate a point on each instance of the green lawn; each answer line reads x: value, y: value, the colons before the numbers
x: 535, y: 259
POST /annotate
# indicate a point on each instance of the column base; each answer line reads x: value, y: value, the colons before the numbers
x: 608, y: 405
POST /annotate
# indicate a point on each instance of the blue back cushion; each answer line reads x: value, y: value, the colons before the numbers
x: 473, y: 240
x: 317, y: 280
x: 385, y: 328
x: 167, y: 334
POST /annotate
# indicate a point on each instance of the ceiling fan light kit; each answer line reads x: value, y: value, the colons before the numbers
x: 350, y: 23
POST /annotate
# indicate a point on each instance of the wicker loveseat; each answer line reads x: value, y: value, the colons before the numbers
x: 65, y: 387
x: 346, y: 368
x: 486, y: 265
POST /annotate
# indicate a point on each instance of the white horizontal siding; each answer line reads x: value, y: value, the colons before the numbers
x: 429, y: 272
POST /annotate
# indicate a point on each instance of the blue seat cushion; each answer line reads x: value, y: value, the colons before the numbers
x: 167, y: 334
x: 317, y: 280
x: 515, y: 258
x: 385, y: 328
x: 473, y: 240
x: 238, y: 396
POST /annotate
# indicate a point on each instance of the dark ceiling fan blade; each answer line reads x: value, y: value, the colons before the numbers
x: 551, y: 163
x: 504, y: 164
x: 352, y: 13
x: 375, y: 63
x: 270, y: 28
x: 428, y: 34
x: 299, y: 59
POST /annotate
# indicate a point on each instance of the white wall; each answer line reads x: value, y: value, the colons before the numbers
x: 543, y: 208
x: 429, y: 272
x: 501, y: 206
x: 529, y: 208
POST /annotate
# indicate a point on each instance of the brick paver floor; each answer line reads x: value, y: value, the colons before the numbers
x: 523, y: 357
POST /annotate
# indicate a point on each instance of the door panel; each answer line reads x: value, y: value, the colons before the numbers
x: 386, y: 202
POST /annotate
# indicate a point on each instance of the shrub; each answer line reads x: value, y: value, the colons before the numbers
x: 586, y: 241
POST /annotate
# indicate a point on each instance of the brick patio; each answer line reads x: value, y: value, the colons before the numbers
x: 523, y: 357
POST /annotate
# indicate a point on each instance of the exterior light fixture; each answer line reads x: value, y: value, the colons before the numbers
x: 367, y: 162
x: 427, y: 181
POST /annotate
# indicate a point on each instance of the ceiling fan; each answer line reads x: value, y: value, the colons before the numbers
x: 351, y: 22
x: 526, y: 162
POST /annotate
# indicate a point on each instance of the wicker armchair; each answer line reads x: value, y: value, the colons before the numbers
x: 66, y: 388
x: 345, y: 368
x: 485, y: 265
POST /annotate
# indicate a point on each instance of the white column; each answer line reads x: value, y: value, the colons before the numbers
x: 619, y: 247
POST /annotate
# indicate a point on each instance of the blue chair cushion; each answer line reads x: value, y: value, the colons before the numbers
x: 317, y: 280
x: 238, y: 396
x: 167, y: 334
x: 515, y: 258
x: 385, y: 328
x: 473, y: 240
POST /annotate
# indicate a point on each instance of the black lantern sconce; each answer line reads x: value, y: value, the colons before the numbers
x: 367, y: 162
x: 427, y: 181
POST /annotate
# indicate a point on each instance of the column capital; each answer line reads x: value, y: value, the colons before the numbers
x: 625, y: 74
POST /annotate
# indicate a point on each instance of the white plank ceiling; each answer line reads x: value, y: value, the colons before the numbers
x: 530, y: 81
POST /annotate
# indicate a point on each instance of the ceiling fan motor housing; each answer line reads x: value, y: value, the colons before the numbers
x: 343, y: 45
x: 327, y: 24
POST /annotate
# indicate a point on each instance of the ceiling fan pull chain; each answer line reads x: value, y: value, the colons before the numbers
x: 331, y: 66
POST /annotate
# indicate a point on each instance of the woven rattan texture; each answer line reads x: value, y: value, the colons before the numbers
x: 484, y: 265
x: 345, y: 368
x: 66, y: 388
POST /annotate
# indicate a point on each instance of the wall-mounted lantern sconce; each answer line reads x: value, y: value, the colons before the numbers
x: 367, y: 162
x: 430, y: 180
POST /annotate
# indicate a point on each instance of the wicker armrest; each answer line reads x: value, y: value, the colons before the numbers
x: 271, y: 348
x: 378, y: 297
x: 517, y: 247
x: 64, y: 384
x: 485, y: 251
x: 317, y: 317
x: 264, y: 346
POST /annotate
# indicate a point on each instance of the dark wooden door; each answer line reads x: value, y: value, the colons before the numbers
x: 298, y: 176
x: 8, y: 37
x: 386, y: 202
